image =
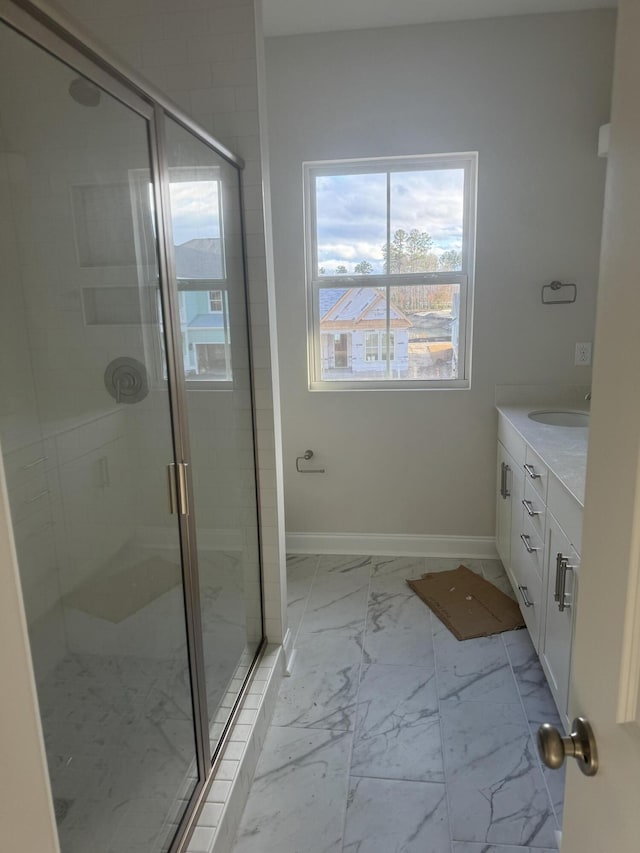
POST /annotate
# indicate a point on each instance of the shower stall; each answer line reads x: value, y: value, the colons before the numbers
x: 126, y: 429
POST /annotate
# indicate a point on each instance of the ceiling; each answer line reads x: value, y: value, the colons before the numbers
x: 289, y: 17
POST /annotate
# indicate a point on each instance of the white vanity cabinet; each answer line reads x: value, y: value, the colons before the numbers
x: 538, y: 533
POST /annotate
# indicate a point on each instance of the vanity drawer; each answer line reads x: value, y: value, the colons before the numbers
x: 529, y: 595
x: 531, y: 550
x: 536, y: 473
x: 534, y: 509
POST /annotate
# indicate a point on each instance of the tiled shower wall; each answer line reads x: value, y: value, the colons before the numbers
x: 203, y: 55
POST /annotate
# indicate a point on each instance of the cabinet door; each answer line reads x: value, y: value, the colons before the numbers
x: 503, y: 506
x: 560, y: 610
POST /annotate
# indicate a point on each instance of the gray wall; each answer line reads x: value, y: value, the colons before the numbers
x: 527, y: 93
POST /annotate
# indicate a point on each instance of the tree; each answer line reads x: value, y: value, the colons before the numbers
x: 363, y: 268
x: 410, y: 252
x: 451, y: 260
x: 341, y: 270
x: 322, y: 271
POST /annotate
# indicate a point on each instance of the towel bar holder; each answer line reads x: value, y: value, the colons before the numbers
x: 308, y: 454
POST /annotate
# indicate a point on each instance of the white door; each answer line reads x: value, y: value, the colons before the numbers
x: 602, y: 813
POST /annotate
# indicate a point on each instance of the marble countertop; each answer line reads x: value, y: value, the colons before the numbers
x: 562, y: 449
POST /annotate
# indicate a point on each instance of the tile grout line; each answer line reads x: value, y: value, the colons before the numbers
x: 532, y: 737
x: 441, y: 723
x: 355, y: 719
x: 306, y: 603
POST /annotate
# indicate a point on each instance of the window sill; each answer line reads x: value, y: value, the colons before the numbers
x: 392, y: 385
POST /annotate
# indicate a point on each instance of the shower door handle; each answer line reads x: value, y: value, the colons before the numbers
x: 178, y: 490
x: 171, y: 482
x: 183, y: 488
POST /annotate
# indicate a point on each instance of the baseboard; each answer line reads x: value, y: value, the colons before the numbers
x: 392, y: 545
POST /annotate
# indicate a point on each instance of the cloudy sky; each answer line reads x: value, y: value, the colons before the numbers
x: 195, y: 211
x: 352, y: 214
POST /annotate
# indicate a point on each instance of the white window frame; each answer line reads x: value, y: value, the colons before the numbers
x: 217, y: 298
x: 468, y: 161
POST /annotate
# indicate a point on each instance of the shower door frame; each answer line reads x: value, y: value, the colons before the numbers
x: 62, y: 39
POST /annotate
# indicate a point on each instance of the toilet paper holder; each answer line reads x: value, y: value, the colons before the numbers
x: 308, y: 454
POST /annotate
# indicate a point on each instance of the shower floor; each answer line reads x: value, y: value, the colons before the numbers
x: 117, y: 717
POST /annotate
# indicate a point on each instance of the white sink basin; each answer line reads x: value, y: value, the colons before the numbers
x: 561, y: 417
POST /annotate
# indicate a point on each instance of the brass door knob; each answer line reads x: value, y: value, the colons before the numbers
x: 581, y: 745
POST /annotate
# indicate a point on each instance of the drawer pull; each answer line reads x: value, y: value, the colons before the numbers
x: 529, y: 508
x: 559, y: 562
x: 563, y: 604
x: 504, y: 471
x: 525, y: 598
x: 34, y: 463
x: 37, y: 497
x: 527, y: 543
x: 531, y: 472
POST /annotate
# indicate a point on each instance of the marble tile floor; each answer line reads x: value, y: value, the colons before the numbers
x: 390, y: 735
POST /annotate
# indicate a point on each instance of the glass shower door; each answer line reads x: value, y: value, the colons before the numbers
x: 86, y: 436
x: 204, y: 195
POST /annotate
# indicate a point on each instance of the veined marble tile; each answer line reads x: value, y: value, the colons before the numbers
x: 298, y: 589
x: 532, y: 684
x: 336, y: 565
x: 448, y: 564
x: 398, y: 728
x: 387, y: 570
x: 473, y: 669
x: 398, y: 630
x: 467, y: 847
x: 493, y: 570
x: 504, y: 585
x: 299, y: 793
x: 495, y: 785
x: 556, y: 780
x: 295, y: 612
x: 301, y: 566
x: 322, y: 689
x: 387, y: 815
x: 339, y: 605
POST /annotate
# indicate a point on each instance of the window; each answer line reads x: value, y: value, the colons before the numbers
x: 215, y: 300
x: 197, y: 222
x: 389, y: 256
x: 375, y: 346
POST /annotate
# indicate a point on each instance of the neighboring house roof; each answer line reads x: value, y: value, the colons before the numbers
x: 207, y: 321
x: 199, y: 259
x: 328, y: 298
x: 361, y: 307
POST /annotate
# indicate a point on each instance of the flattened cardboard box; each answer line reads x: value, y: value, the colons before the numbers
x: 467, y: 604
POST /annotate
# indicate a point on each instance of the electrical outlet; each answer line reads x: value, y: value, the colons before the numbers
x: 583, y: 355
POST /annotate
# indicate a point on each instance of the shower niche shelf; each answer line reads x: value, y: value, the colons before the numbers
x: 117, y: 306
